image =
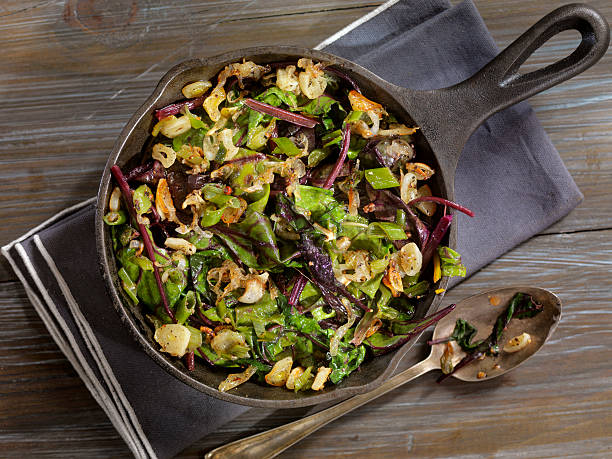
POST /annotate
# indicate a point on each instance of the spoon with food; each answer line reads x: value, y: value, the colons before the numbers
x: 484, y: 336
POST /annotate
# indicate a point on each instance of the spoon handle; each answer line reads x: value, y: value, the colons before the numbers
x: 273, y: 442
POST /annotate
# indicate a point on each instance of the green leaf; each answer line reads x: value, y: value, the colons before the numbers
x: 275, y: 96
x: 196, y: 123
x: 284, y: 145
x: 355, y: 147
x: 125, y: 256
x: 378, y: 340
x: 198, y: 265
x: 391, y: 231
x: 319, y: 314
x: 324, y: 209
x: 344, y: 363
x: 194, y: 137
x: 214, y: 358
x: 320, y: 106
x: 260, y: 199
x: 371, y: 286
x: 464, y: 333
x: 417, y: 289
x: 186, y: 307
x: 381, y: 178
x: 450, y: 262
x: 128, y: 285
x: 317, y: 155
x: 258, y: 227
x: 246, y: 255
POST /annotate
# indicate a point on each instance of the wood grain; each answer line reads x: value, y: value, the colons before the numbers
x: 72, y: 76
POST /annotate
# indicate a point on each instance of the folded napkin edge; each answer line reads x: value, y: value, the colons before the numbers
x: 125, y: 408
x: 64, y: 338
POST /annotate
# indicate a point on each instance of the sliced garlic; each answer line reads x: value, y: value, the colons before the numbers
x: 254, y: 287
x: 173, y: 127
x: 164, y: 154
x: 280, y: 372
x: 181, y: 245
x: 410, y: 259
x: 196, y: 89
x: 322, y: 375
x: 295, y: 374
x: 235, y: 379
x: 518, y: 343
x: 114, y: 202
x: 173, y: 339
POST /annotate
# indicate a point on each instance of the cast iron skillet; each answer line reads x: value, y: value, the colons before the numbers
x: 447, y: 118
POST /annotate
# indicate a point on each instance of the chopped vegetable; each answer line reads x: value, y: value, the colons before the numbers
x: 173, y: 339
x: 273, y: 226
x: 381, y: 178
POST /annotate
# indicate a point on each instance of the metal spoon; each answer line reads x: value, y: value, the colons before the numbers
x: 480, y: 310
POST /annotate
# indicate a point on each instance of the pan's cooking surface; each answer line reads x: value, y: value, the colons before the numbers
x: 446, y: 117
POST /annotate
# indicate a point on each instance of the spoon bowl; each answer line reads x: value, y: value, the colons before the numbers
x: 482, y: 310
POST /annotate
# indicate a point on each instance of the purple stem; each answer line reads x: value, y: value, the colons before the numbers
x: 431, y: 342
x: 242, y: 136
x: 346, y: 140
x: 173, y: 109
x: 205, y: 357
x: 247, y: 159
x: 281, y: 114
x: 296, y: 291
x: 127, y: 195
x: 205, y: 320
x: 264, y: 354
x: 435, y: 239
x: 443, y: 201
x: 417, y: 223
x: 190, y: 361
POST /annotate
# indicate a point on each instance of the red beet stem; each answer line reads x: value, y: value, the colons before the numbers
x: 127, y: 195
x: 173, y: 109
x: 346, y: 140
x: 190, y: 361
x: 281, y: 114
x: 296, y: 291
x: 435, y: 238
x: 443, y: 201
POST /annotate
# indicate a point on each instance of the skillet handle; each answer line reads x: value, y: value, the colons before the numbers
x: 499, y: 84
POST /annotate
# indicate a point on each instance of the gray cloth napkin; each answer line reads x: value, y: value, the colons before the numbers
x: 509, y: 174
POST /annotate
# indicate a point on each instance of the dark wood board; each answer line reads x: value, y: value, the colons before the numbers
x: 67, y: 89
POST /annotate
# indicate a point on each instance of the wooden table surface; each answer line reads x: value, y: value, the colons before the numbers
x: 67, y: 86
